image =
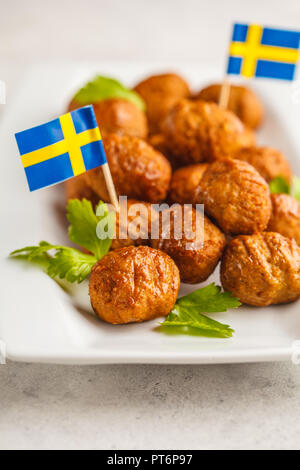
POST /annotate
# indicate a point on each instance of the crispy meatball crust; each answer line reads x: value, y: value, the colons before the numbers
x: 158, y: 142
x: 77, y: 188
x: 236, y: 196
x: 184, y: 183
x: 195, y: 256
x: 134, y: 284
x: 138, y: 171
x: 118, y: 116
x: 198, y: 131
x: 242, y: 101
x: 285, y: 218
x: 161, y: 93
x: 262, y: 269
x: 138, y: 213
x: 268, y: 162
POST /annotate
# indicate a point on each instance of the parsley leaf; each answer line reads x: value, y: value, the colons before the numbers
x: 86, y: 227
x: 279, y: 185
x: 296, y: 188
x: 103, y: 88
x: 71, y: 264
x: 66, y: 263
x: 32, y: 252
x: 209, y: 299
x: 187, y: 321
x: 186, y: 315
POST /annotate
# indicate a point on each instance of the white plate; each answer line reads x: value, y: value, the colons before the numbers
x: 39, y: 321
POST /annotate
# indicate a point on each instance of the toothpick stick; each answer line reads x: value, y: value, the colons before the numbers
x: 110, y: 187
x: 224, y: 94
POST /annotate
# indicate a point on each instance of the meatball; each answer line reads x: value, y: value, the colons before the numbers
x: 133, y: 224
x: 236, y: 196
x: 198, y: 131
x: 242, y: 102
x: 158, y: 141
x: 184, y: 183
x: 196, y: 248
x: 138, y: 171
x: 77, y: 188
x: 285, y: 218
x: 262, y: 269
x: 133, y: 284
x: 268, y: 162
x: 161, y: 93
x: 118, y: 116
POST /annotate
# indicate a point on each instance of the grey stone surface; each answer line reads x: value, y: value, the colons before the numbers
x: 150, y: 407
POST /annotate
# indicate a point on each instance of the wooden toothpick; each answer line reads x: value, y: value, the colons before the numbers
x: 224, y: 94
x: 110, y: 187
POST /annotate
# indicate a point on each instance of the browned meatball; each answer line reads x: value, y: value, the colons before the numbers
x: 268, y: 162
x: 184, y: 183
x: 134, y: 284
x: 285, y: 218
x: 242, y: 101
x: 138, y: 171
x: 262, y: 269
x: 198, y: 131
x: 118, y: 116
x: 236, y: 196
x: 158, y: 141
x: 133, y: 226
x: 196, y: 252
x: 161, y: 92
x: 77, y: 188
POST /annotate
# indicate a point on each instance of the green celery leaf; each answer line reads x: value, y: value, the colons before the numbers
x: 103, y: 88
x: 86, y: 227
x: 279, y: 185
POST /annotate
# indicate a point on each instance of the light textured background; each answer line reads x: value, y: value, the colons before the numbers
x: 146, y: 407
x: 123, y: 407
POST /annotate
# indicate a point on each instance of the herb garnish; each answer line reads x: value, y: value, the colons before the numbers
x: 69, y: 263
x: 186, y: 315
x: 279, y: 185
x: 103, y: 88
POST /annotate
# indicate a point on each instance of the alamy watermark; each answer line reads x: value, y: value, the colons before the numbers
x: 2, y: 352
x: 2, y: 92
x: 152, y: 222
x: 296, y: 92
x: 296, y: 352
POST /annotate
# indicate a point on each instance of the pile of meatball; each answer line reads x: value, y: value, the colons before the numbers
x: 185, y: 149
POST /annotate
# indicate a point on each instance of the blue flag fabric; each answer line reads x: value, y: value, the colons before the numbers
x: 60, y: 149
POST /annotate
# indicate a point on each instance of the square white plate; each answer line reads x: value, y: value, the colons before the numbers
x: 42, y: 323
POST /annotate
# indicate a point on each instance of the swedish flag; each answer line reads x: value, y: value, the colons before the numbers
x: 257, y: 51
x: 60, y: 149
